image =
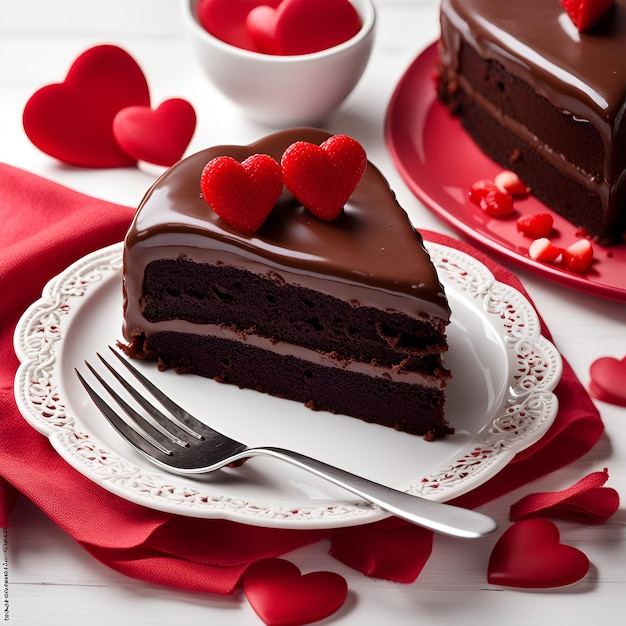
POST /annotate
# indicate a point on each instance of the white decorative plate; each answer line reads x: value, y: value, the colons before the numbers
x: 500, y: 401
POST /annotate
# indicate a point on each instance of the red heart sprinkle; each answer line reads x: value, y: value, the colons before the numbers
x: 226, y: 20
x: 578, y: 256
x: 529, y: 555
x: 511, y: 182
x: 242, y: 194
x: 324, y: 177
x: 397, y: 554
x: 156, y: 136
x: 305, y: 26
x: 281, y: 595
x: 72, y: 121
x: 608, y: 378
x: 479, y: 189
x: 544, y: 250
x: 494, y: 200
x: 535, y: 225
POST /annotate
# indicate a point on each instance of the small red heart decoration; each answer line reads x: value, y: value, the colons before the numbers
x: 529, y: 555
x: 324, y: 177
x: 303, y: 26
x: 72, y: 121
x: 397, y: 554
x: 608, y: 380
x: 242, y: 194
x: 226, y: 20
x: 281, y: 596
x: 156, y: 136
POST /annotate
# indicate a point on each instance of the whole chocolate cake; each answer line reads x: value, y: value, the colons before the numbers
x: 346, y: 315
x: 545, y: 100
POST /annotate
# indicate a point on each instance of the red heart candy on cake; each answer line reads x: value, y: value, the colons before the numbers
x: 280, y: 594
x: 73, y: 121
x: 529, y: 555
x: 397, y: 554
x: 305, y: 26
x: 608, y: 380
x: 586, y: 13
x: 324, y: 177
x: 157, y: 136
x: 242, y: 194
x: 226, y: 20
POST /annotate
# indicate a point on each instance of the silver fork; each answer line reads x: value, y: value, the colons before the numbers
x: 181, y: 444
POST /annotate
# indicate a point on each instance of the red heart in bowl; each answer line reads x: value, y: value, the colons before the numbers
x: 608, y: 380
x: 226, y: 20
x: 157, y: 136
x: 304, y: 26
x: 280, y: 594
x: 529, y: 555
x: 261, y: 27
x: 73, y: 121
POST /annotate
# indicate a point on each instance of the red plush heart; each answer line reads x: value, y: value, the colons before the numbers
x: 156, y: 136
x: 226, y: 20
x: 608, y: 380
x: 242, y: 194
x: 529, y: 555
x: 586, y: 13
x: 73, y: 121
x: 397, y: 554
x: 281, y: 595
x: 304, y: 26
x: 586, y: 501
x: 324, y: 177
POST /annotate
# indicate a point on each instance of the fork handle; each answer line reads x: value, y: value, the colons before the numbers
x: 438, y: 516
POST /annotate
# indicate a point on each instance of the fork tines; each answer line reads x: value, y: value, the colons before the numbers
x: 152, y: 431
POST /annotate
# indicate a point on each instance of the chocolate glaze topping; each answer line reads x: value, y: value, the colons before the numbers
x: 582, y: 74
x: 370, y: 255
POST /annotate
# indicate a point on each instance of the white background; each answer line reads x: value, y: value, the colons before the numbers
x: 52, y: 581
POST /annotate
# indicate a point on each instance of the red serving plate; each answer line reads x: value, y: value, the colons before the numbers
x: 439, y: 162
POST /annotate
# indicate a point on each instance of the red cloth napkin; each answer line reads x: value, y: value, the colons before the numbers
x: 46, y: 227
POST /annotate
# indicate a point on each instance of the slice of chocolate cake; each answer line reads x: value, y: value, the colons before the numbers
x: 345, y: 315
x: 545, y: 100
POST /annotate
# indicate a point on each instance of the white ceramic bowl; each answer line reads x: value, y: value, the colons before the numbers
x: 283, y: 91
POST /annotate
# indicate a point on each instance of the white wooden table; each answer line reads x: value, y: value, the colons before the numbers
x: 52, y: 581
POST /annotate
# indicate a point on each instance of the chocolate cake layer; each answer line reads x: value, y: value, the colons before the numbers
x: 529, y: 87
x: 355, y: 301
x: 407, y: 403
x: 218, y: 294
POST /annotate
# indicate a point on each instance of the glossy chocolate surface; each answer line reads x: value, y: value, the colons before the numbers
x: 582, y: 74
x: 370, y: 255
